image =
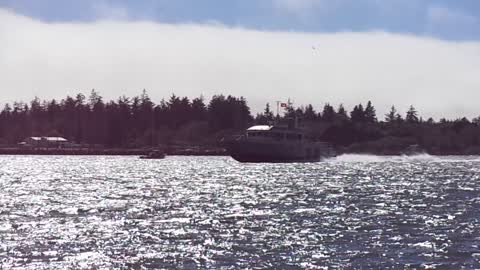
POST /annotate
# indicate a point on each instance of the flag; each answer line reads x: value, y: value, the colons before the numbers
x: 283, y: 105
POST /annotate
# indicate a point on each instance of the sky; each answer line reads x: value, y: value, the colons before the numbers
x: 393, y: 52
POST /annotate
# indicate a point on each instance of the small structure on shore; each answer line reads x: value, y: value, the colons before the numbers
x: 45, y: 142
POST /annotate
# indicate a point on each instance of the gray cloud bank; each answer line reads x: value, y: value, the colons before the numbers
x: 440, y: 78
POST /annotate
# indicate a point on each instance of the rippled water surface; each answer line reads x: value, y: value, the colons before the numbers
x: 214, y: 213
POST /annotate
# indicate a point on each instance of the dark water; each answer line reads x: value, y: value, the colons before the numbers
x: 214, y: 213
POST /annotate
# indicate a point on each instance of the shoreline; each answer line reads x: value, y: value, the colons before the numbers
x: 173, y: 151
x: 111, y: 152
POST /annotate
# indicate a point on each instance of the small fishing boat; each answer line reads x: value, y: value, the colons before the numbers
x: 156, y: 154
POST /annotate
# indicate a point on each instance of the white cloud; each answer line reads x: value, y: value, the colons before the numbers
x: 121, y: 58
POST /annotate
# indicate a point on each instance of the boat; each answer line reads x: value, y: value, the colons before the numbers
x: 277, y: 143
x: 156, y: 154
x: 413, y: 150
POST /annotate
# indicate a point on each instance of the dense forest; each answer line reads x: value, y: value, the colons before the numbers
x: 126, y: 122
x: 139, y: 122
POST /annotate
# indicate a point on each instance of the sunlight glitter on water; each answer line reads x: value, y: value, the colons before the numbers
x: 352, y: 211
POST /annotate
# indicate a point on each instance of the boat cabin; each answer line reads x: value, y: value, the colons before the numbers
x: 274, y: 132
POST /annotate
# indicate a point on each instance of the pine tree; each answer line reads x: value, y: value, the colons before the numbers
x: 268, y: 114
x: 412, y: 115
x: 328, y: 113
x: 358, y: 114
x: 341, y: 111
x: 310, y: 113
x: 199, y: 110
x: 399, y: 118
x: 476, y: 121
x: 391, y: 116
x: 370, y: 113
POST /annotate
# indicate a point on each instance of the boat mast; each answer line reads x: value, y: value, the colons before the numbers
x: 278, y: 108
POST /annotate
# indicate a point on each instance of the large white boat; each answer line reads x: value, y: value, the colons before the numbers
x: 276, y: 143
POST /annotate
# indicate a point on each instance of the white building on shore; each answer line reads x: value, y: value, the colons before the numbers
x: 46, y: 142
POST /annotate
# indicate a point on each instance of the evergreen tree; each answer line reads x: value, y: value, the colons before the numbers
x: 199, y: 110
x: 391, y: 116
x: 341, y: 111
x: 358, y: 114
x: 328, y: 114
x: 97, y: 119
x: 127, y: 122
x: 94, y: 99
x: 268, y: 113
x: 310, y: 113
x: 370, y: 113
x: 476, y: 121
x: 412, y: 115
x: 290, y: 112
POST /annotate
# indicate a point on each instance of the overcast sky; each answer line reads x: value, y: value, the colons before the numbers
x: 402, y: 52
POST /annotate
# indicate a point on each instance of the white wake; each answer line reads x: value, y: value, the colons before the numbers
x: 374, y: 158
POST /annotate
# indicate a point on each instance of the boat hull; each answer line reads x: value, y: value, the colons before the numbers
x: 145, y: 157
x: 154, y: 155
x: 278, y: 152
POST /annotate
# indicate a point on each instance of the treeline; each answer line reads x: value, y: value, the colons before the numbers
x: 362, y: 131
x: 140, y: 122
x: 125, y: 122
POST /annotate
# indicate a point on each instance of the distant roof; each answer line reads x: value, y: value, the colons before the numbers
x: 50, y: 139
x: 260, y: 128
x: 55, y: 139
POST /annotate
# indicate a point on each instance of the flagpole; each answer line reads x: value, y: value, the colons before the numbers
x: 278, y: 104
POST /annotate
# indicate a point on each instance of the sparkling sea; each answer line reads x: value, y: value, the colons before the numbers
x: 349, y: 212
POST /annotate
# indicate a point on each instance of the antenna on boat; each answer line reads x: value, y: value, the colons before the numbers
x: 278, y: 108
